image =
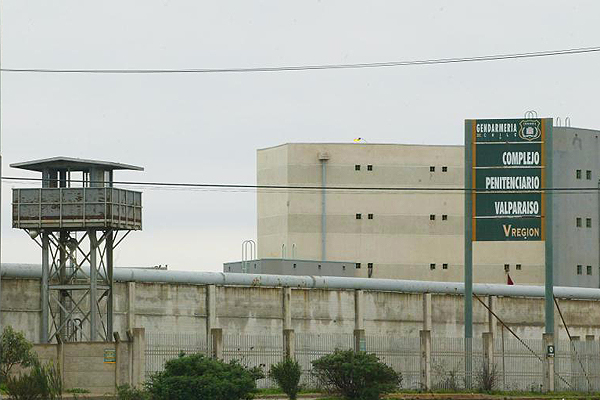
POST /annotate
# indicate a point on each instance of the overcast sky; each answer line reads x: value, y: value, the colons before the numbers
x: 207, y: 127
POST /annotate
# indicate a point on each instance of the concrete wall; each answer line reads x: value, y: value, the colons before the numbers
x: 400, y: 240
x: 172, y: 308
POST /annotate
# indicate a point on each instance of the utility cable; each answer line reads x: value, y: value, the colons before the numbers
x: 284, y: 68
x: 192, y: 186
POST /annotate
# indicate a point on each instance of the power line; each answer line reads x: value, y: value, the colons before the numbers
x: 196, y: 186
x: 454, y: 60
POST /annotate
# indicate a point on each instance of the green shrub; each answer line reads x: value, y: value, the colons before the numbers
x: 355, y: 375
x: 287, y: 375
x: 126, y: 392
x: 198, y: 377
x: 14, y: 349
x: 41, y: 382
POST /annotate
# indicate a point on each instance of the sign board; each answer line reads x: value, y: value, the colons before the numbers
x: 110, y: 356
x: 508, y: 167
x: 550, y: 350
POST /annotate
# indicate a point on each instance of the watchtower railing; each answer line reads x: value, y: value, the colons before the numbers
x: 77, y: 208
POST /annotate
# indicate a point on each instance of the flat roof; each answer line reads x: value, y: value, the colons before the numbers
x: 359, y: 144
x: 74, y: 164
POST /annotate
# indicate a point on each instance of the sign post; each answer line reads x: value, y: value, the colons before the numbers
x: 507, y: 170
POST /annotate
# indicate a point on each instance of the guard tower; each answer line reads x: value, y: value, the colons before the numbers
x: 77, y: 218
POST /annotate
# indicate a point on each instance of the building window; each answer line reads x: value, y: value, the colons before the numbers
x: 370, y: 216
x: 444, y: 217
x: 358, y: 216
x: 370, y: 270
x: 444, y: 169
x: 432, y: 217
x: 444, y: 266
x: 578, y: 222
x: 579, y: 270
x: 357, y: 265
x: 506, y: 267
x: 431, y: 266
x: 432, y: 168
x: 578, y: 174
x: 588, y: 222
x: 518, y: 267
x: 589, y: 269
x: 369, y: 167
x: 588, y: 174
x: 357, y: 167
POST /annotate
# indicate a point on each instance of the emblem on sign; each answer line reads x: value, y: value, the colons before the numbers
x: 530, y: 129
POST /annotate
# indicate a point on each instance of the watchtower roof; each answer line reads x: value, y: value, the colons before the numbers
x: 73, y: 164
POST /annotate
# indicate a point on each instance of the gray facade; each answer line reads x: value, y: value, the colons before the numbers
x: 576, y: 167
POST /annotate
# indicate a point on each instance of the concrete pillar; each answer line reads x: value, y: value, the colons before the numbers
x: 289, y: 337
x: 60, y: 357
x: 427, y: 312
x: 360, y: 342
x: 216, y: 335
x: 359, y: 322
x: 130, y: 305
x: 287, y: 310
x: 138, y: 349
x: 548, y: 340
x: 425, y: 336
x: 488, y: 351
x: 289, y: 344
x: 118, y: 361
x: 359, y: 315
x: 211, y: 314
x: 491, y: 319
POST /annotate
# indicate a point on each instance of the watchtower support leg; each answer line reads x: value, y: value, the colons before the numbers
x: 93, y: 285
x: 45, y: 295
x: 109, y: 273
